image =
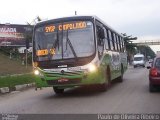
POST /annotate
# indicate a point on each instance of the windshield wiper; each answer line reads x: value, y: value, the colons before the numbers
x: 56, y: 42
x: 71, y: 46
x: 54, y: 46
x: 39, y: 47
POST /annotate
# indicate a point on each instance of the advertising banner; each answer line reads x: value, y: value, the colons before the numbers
x: 13, y: 35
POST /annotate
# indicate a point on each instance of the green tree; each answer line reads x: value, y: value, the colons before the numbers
x: 147, y: 51
x: 130, y: 47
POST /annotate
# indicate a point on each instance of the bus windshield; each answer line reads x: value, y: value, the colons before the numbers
x: 64, y: 40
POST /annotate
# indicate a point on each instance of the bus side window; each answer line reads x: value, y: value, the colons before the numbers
x: 110, y: 40
x: 123, y: 46
x: 107, y: 44
x: 100, y: 40
x: 119, y: 43
x: 113, y: 41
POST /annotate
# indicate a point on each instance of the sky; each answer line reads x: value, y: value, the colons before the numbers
x: 139, y: 18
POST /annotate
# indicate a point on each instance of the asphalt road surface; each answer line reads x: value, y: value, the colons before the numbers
x: 130, y: 96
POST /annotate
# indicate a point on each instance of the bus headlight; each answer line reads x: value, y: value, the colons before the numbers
x: 92, y: 68
x: 36, y: 72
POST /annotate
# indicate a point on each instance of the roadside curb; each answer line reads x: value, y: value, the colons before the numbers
x: 4, y: 90
x: 16, y: 88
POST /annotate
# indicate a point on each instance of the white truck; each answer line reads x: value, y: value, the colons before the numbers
x: 139, y: 60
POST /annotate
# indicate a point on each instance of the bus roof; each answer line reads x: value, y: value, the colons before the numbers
x: 89, y: 17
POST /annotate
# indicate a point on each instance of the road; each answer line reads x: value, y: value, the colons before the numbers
x: 130, y: 96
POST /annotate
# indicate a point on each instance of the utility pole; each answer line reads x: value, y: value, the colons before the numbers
x: 26, y: 56
x: 75, y: 12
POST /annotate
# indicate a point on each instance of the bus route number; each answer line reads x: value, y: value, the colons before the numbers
x: 45, y: 52
x: 50, y: 28
x: 42, y: 52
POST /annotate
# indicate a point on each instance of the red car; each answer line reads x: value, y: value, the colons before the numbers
x: 154, y: 74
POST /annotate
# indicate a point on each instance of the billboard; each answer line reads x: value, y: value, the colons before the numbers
x: 13, y: 35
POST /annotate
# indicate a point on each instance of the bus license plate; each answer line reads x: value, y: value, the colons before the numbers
x: 63, y: 80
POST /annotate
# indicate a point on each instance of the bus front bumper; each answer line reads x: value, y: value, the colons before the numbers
x: 70, y: 79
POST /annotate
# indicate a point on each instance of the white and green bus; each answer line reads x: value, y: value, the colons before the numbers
x: 77, y: 51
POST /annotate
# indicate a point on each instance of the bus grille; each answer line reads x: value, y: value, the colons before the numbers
x: 59, y: 74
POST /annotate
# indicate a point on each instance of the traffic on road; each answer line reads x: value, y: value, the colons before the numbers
x: 130, y: 96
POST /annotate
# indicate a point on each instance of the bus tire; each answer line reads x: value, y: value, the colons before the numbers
x: 120, y: 78
x: 57, y: 90
x: 104, y: 87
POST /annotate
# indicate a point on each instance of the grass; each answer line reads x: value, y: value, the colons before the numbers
x: 12, y: 72
x: 11, y: 66
x: 11, y: 81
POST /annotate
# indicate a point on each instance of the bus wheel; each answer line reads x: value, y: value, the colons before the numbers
x: 57, y: 90
x: 120, y: 78
x: 107, y: 84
